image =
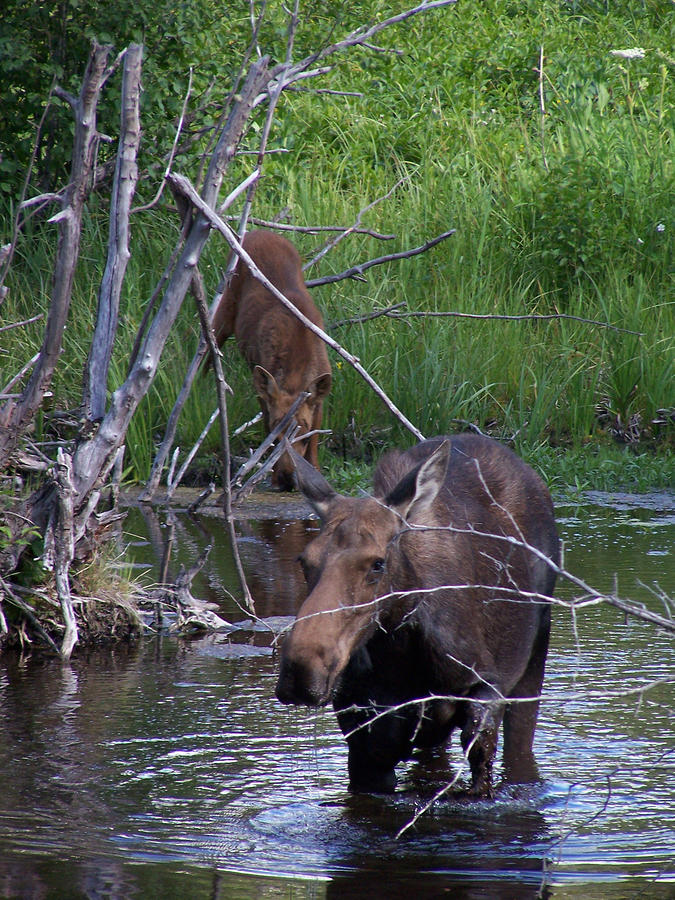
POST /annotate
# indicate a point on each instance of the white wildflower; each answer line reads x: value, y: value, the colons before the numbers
x: 629, y: 53
x: 660, y: 227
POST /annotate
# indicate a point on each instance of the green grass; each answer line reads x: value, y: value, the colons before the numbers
x: 579, y: 221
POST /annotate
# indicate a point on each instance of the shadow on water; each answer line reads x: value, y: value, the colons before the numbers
x: 168, y: 769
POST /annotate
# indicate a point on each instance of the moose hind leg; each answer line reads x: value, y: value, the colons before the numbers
x: 520, y: 718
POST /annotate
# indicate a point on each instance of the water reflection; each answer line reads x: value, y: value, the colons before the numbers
x: 168, y: 768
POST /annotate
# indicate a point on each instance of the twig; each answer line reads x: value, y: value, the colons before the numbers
x: 221, y: 387
x: 542, y: 106
x: 205, y: 494
x: 366, y: 317
x: 271, y: 438
x: 347, y: 231
x: 172, y: 153
x: 19, y: 324
x: 29, y: 365
x: 188, y: 459
x: 363, y: 267
x: 317, y: 229
x: 534, y: 317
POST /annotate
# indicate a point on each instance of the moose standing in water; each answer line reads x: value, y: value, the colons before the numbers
x: 286, y: 357
x: 427, y: 609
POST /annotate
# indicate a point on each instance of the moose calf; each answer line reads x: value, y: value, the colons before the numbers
x: 286, y: 358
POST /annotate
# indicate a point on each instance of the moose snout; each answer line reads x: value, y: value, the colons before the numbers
x: 301, y: 685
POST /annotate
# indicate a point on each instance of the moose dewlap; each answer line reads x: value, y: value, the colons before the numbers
x: 428, y: 608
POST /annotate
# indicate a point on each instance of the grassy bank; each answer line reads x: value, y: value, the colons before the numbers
x: 568, y: 212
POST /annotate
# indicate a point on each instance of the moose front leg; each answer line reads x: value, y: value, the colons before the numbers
x: 479, y: 741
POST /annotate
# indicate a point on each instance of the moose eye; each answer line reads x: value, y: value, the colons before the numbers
x: 376, y: 569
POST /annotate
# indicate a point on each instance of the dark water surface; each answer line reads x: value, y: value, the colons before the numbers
x: 169, y: 769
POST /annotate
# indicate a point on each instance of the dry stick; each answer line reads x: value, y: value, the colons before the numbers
x: 316, y: 229
x: 172, y: 154
x: 535, y: 317
x: 207, y: 331
x: 329, y: 245
x: 253, y: 460
x: 542, y: 106
x: 19, y: 324
x: 274, y: 97
x: 362, y: 267
x: 171, y: 487
x: 15, y: 416
x: 65, y: 550
x: 184, y: 185
x: 19, y: 375
x: 362, y: 35
x: 124, y: 185
x: 366, y: 317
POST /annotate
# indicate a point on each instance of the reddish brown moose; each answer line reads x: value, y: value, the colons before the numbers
x: 427, y: 609
x: 286, y: 357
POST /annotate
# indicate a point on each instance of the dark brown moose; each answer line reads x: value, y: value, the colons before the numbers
x: 427, y: 609
x: 286, y: 358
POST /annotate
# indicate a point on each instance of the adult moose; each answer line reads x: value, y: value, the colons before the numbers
x: 286, y: 358
x: 427, y: 608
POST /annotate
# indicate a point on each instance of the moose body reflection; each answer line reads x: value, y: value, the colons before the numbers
x: 427, y: 608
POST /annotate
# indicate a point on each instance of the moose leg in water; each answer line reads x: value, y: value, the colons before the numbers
x: 285, y: 357
x: 428, y: 608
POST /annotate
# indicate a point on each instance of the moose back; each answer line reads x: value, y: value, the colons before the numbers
x: 428, y: 609
x: 286, y: 358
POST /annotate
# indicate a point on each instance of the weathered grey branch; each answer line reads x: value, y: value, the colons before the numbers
x: 16, y: 415
x: 347, y: 231
x: 317, y: 229
x: 363, y: 267
x: 221, y: 388
x: 19, y: 324
x: 64, y: 550
x: 124, y: 185
x: 531, y: 317
x: 93, y: 458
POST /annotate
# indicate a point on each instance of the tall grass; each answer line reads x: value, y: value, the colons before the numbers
x: 569, y: 214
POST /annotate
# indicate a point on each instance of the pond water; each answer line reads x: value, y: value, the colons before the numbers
x: 168, y: 769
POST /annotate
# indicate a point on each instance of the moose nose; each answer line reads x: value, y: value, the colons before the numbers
x: 298, y: 686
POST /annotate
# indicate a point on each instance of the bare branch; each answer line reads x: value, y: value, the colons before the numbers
x: 15, y: 415
x: 330, y: 244
x: 363, y: 267
x: 20, y: 324
x: 124, y: 185
x: 532, y: 317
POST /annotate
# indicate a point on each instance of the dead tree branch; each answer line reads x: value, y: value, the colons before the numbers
x: 209, y: 337
x: 124, y: 185
x: 16, y: 415
x: 93, y: 458
x: 359, y: 269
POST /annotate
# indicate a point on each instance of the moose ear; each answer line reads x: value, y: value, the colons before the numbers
x: 417, y: 490
x: 312, y: 483
x: 265, y: 384
x: 321, y: 386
